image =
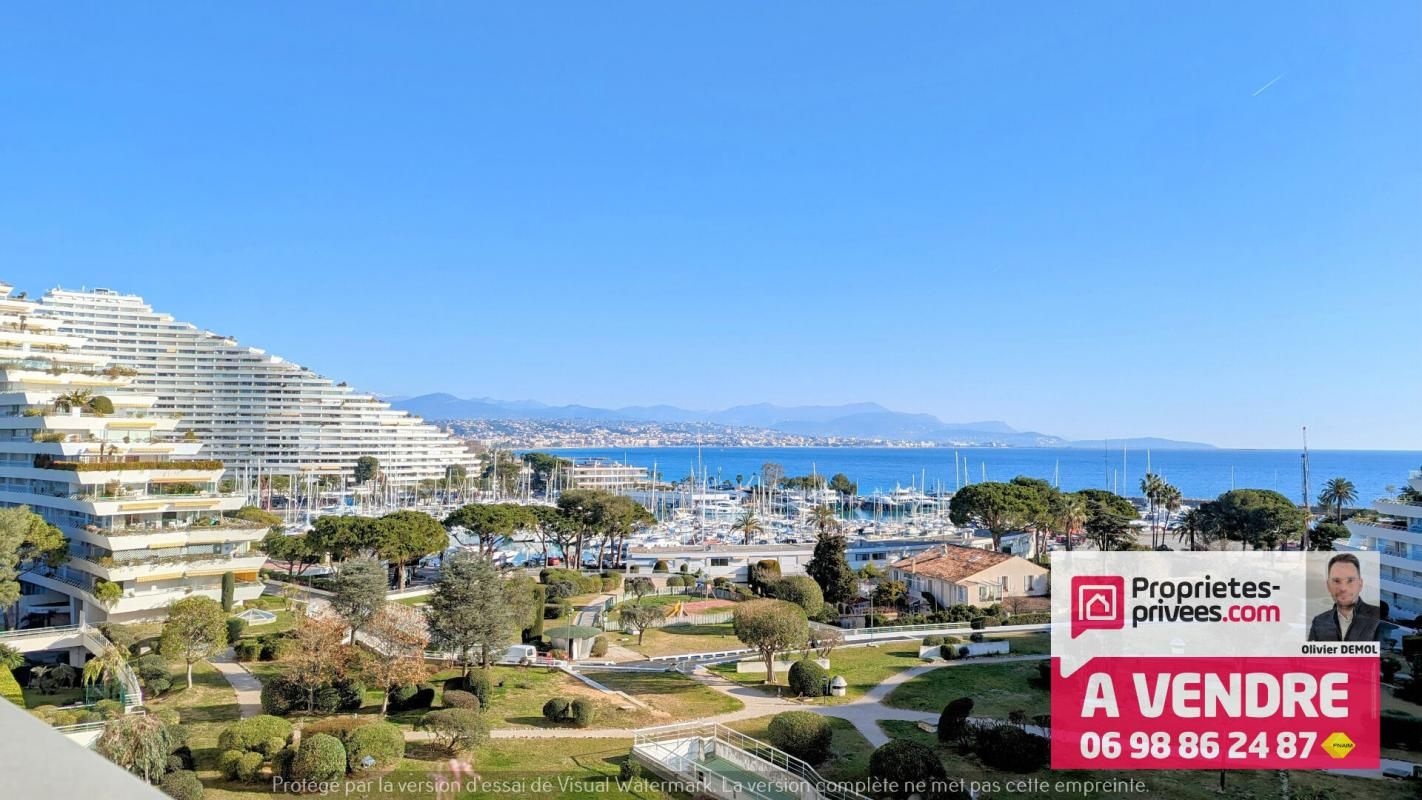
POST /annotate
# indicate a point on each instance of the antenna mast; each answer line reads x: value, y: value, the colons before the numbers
x: 1303, y: 540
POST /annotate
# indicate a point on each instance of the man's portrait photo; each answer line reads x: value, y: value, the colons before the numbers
x: 1350, y: 618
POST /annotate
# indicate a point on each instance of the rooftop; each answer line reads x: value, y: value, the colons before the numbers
x: 951, y: 562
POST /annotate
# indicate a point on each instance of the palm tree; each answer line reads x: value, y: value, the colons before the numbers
x: 1168, y: 499
x: 1150, y: 487
x: 72, y: 400
x: 824, y: 520
x: 10, y: 658
x: 1190, y: 525
x: 748, y: 523
x: 1072, y: 511
x: 105, y: 666
x: 1338, y: 492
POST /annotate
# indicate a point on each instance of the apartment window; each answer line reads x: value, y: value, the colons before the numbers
x: 720, y: 562
x: 985, y: 593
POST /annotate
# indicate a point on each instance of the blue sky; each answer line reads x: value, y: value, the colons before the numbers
x: 1083, y: 219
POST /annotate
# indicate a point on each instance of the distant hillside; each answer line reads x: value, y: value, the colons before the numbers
x: 849, y: 421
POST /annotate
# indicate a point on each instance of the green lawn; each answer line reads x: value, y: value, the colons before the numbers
x: 1027, y: 644
x: 996, y: 689
x: 204, y: 710
x: 1171, y: 784
x: 863, y: 668
x: 657, y: 600
x: 849, y: 750
x: 675, y: 639
x: 285, y: 621
x: 419, y: 600
x: 676, y: 695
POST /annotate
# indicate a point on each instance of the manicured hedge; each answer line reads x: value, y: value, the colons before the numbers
x: 320, y: 758
x: 556, y: 709
x: 803, y: 734
x: 1008, y: 747
x: 182, y: 785
x: 906, y: 766
x: 410, y: 697
x: 383, y: 742
x: 249, y: 766
x: 256, y: 733
x: 581, y: 712
x: 458, y: 698
x: 235, y: 627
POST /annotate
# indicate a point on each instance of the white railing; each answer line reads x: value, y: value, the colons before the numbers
x: 655, y: 738
x: 36, y: 632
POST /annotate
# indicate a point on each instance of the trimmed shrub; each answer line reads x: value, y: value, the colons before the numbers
x: 953, y: 718
x: 320, y: 758
x: 280, y: 697
x: 905, y: 765
x: 581, y: 712
x: 275, y: 647
x: 351, y: 693
x: 802, y: 734
x: 478, y: 685
x: 948, y: 651
x: 282, y: 761
x: 1008, y: 747
x: 1031, y: 618
x: 458, y: 698
x: 629, y: 771
x: 952, y: 640
x: 339, y: 727
x: 660, y: 566
x: 229, y: 588
x: 227, y: 762
x: 932, y: 641
x: 457, y: 730
x: 978, y: 623
x: 410, y: 697
x: 235, y: 627
x: 556, y: 709
x: 807, y: 679
x: 976, y: 636
x: 247, y: 650
x: 800, y: 590
x: 611, y: 581
x: 599, y: 647
x: 382, y: 742
x: 256, y: 733
x: 249, y: 766
x: 108, y: 709
x: 176, y: 733
x: 182, y: 785
x: 181, y: 758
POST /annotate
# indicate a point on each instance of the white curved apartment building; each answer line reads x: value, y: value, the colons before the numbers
x: 139, y: 509
x: 254, y: 410
x: 1396, y: 536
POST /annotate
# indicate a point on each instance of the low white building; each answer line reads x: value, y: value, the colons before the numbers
x: 955, y: 575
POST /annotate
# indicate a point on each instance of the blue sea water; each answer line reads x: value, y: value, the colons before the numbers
x: 1197, y: 473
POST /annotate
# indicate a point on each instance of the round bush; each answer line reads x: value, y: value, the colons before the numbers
x: 351, y: 692
x: 456, y: 698
x: 976, y: 636
x: 182, y: 785
x: 320, y: 758
x: 948, y: 651
x: 281, y: 697
x: 906, y: 766
x: 227, y: 762
x: 247, y: 650
x: 410, y: 697
x: 556, y: 709
x: 802, y: 734
x: 978, y: 623
x: 952, y: 640
x: 256, y: 733
x: 108, y: 709
x: 807, y: 679
x: 478, y: 684
x: 932, y: 641
x: 173, y: 764
x: 176, y: 733
x: 1008, y: 747
x: 581, y: 712
x: 660, y: 566
x: 249, y: 767
x: 953, y: 719
x: 235, y: 627
x: 184, y: 755
x: 599, y: 647
x: 383, y: 743
x: 339, y: 727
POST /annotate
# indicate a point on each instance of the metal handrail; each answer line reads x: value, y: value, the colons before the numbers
x: 25, y: 633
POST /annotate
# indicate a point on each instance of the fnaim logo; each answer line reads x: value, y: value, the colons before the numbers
x: 1097, y: 603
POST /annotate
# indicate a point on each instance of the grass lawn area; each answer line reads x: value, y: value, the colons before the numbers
x: 1027, y: 644
x: 679, y: 696
x: 204, y: 710
x: 63, y: 697
x: 849, y: 750
x: 413, y: 601
x: 996, y: 689
x: 863, y: 668
x: 285, y: 621
x: 570, y: 769
x: 1172, y: 784
x: 674, y: 639
x: 268, y: 602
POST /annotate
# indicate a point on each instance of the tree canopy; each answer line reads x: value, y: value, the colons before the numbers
x: 842, y: 484
x: 998, y: 507
x: 1257, y: 518
x: 25, y: 539
x: 474, y: 608
x: 770, y: 626
x: 366, y: 468
x: 830, y: 569
x: 360, y: 592
x: 196, y: 629
x: 295, y: 552
x: 406, y: 536
x: 489, y: 522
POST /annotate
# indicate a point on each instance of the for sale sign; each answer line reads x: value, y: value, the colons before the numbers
x: 1252, y: 660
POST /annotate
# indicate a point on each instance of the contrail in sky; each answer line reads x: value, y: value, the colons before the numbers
x: 1266, y: 86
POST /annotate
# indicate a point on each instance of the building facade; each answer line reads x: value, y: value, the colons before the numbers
x: 735, y: 561
x: 955, y: 575
x: 259, y: 414
x: 601, y: 473
x: 84, y: 449
x: 1397, y: 538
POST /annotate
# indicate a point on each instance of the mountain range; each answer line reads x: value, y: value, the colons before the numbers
x: 852, y: 421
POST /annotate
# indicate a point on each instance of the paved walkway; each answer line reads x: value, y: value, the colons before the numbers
x: 248, y: 688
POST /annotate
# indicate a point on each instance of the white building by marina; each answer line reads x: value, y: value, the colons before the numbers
x: 255, y: 411
x: 1397, y: 539
x: 84, y: 449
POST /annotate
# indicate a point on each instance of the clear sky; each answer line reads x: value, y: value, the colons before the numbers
x: 1193, y: 220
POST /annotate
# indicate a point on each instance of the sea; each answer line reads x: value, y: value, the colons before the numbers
x: 1199, y: 474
